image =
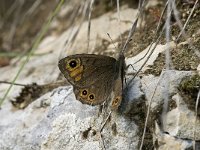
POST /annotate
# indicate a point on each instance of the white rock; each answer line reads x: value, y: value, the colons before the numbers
x: 164, y: 141
x: 180, y: 122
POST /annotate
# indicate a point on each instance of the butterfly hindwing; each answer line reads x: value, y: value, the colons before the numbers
x: 95, y: 94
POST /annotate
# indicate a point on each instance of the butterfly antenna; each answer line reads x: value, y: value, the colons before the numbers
x: 111, y: 40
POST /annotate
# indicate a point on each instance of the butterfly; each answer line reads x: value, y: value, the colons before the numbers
x: 95, y: 78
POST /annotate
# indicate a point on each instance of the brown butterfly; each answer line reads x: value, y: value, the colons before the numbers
x: 95, y: 78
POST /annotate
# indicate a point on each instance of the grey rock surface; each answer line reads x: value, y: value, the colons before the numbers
x: 57, y: 120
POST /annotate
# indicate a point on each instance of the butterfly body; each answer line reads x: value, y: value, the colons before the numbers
x: 95, y: 78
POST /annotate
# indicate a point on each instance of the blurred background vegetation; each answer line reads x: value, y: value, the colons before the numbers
x: 20, y: 21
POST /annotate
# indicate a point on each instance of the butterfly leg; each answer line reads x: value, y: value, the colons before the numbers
x: 103, y: 125
x: 125, y: 81
x: 103, y: 145
x: 130, y: 65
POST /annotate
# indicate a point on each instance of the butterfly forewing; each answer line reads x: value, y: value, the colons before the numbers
x: 91, y: 68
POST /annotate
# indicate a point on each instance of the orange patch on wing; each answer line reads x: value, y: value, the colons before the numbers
x: 77, y: 78
x: 116, y: 101
x: 76, y: 72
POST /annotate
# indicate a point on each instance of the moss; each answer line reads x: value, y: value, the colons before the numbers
x: 172, y: 104
x: 190, y: 85
x: 183, y: 58
x: 189, y: 88
x: 158, y: 65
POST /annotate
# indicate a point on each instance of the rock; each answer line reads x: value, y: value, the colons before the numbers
x: 57, y: 120
x: 165, y: 141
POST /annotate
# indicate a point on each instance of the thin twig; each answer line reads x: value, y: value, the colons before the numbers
x: 105, y: 121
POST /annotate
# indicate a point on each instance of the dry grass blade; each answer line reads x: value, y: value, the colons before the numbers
x: 14, y: 24
x: 73, y: 34
x: 148, y: 111
x: 182, y: 27
x: 89, y: 24
x: 6, y: 82
x: 133, y: 28
x: 31, y: 10
x: 119, y: 20
x: 155, y: 39
x: 162, y: 14
x: 9, y: 12
x: 167, y: 61
x: 171, y: 7
x: 151, y: 52
x: 182, y: 30
x: 167, y: 28
x: 196, y: 113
